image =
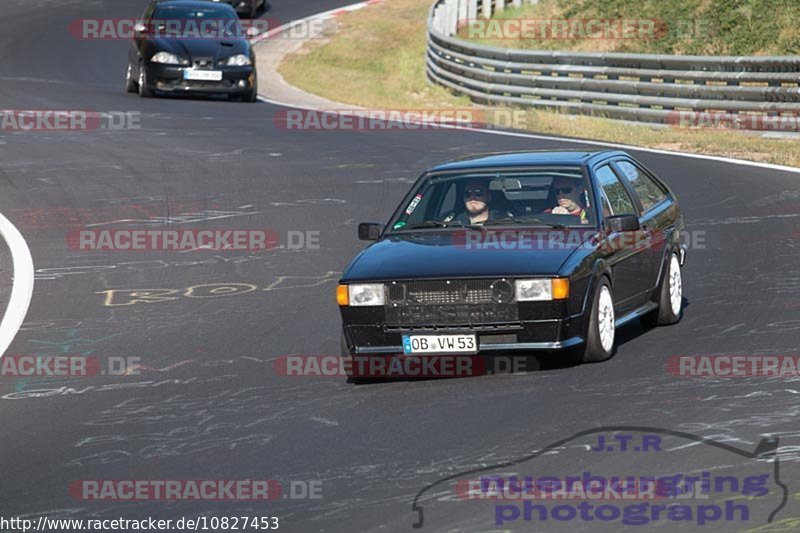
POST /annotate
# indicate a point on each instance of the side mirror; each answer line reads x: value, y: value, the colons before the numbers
x: 621, y: 223
x: 139, y: 28
x: 369, y: 231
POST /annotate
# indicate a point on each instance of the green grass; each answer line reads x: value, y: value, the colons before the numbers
x: 702, y: 27
x: 377, y: 59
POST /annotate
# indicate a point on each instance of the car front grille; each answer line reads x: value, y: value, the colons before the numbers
x: 450, y: 302
x: 204, y: 62
x: 171, y: 85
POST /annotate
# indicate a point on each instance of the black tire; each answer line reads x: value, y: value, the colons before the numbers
x: 144, y: 91
x: 130, y: 84
x: 665, y: 315
x: 252, y: 95
x: 593, y: 350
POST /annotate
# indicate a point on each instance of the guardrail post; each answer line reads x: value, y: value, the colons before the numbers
x: 441, y: 14
x: 472, y: 10
x: 462, y: 14
x: 452, y: 17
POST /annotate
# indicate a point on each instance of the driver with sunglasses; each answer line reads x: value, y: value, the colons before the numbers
x: 568, y: 196
x: 477, y: 197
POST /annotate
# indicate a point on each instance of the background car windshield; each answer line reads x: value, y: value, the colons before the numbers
x: 188, y: 12
x: 192, y: 22
x: 531, y: 197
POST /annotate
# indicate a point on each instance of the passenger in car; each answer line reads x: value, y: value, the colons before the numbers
x: 569, y: 194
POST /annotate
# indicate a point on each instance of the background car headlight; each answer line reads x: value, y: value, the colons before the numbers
x: 539, y: 290
x: 239, y: 60
x: 365, y: 294
x: 165, y: 58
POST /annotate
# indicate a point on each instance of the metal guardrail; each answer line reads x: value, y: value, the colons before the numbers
x: 643, y: 87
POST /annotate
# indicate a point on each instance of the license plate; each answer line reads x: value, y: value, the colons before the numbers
x: 414, y: 344
x: 202, y: 75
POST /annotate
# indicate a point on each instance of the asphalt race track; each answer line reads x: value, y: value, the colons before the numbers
x: 207, y: 403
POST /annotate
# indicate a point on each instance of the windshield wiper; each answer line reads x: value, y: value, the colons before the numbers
x: 439, y: 224
x: 517, y: 220
x: 431, y: 224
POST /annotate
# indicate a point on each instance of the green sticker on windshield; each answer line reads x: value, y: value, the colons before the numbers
x: 399, y: 225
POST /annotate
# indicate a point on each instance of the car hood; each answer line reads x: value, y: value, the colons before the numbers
x: 194, y: 48
x: 454, y: 255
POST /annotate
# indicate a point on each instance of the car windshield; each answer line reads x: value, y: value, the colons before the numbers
x: 196, y: 22
x: 556, y: 197
x: 193, y: 12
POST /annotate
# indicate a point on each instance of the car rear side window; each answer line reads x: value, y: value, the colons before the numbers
x: 617, y: 195
x: 650, y: 193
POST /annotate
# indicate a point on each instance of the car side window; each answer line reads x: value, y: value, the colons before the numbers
x: 650, y: 193
x: 615, y: 192
x: 607, y: 211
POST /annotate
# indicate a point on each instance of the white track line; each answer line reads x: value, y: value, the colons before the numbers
x: 319, y: 16
x: 353, y: 7
x: 21, y: 287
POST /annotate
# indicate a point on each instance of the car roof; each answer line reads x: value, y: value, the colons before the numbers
x: 529, y: 158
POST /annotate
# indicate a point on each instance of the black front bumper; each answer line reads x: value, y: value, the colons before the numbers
x: 540, y: 326
x: 170, y: 79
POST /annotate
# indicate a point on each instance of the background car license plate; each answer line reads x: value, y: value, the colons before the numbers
x: 413, y: 344
x: 204, y: 75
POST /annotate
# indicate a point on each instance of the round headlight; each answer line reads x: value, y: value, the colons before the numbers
x: 502, y: 291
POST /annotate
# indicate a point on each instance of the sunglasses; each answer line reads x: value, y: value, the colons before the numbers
x: 563, y: 190
x: 479, y: 193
